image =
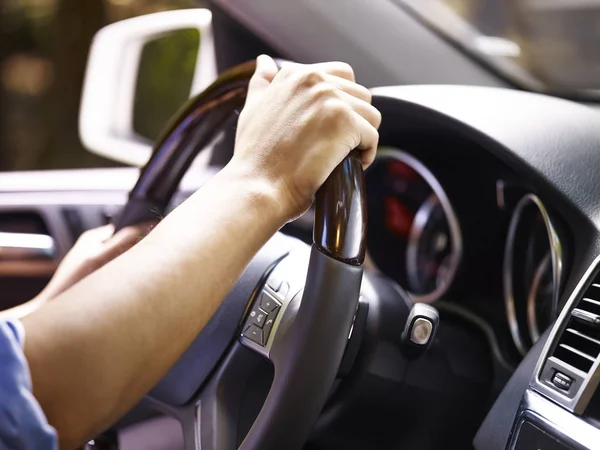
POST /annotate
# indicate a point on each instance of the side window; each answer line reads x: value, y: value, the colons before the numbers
x: 164, y: 80
x: 44, y: 46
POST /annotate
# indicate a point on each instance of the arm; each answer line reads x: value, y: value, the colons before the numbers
x: 93, y: 249
x: 92, y: 360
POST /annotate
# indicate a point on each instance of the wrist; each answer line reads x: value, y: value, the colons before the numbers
x: 261, y: 193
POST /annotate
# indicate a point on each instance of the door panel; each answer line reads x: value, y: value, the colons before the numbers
x: 57, y: 206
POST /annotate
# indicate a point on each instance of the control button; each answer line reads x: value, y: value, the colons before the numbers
x: 421, y: 331
x: 562, y: 381
x: 268, y: 304
x: 255, y: 334
x: 268, y: 327
x: 259, y: 318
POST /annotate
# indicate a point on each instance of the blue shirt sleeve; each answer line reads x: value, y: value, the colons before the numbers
x: 23, y: 424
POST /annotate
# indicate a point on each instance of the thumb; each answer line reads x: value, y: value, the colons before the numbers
x: 266, y: 69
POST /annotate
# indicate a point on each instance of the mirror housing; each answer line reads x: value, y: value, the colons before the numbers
x: 107, y: 103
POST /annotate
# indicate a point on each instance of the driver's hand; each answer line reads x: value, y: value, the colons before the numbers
x: 93, y: 249
x: 299, y: 123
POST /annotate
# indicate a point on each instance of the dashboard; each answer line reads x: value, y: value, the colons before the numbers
x: 473, y: 207
x: 517, y: 173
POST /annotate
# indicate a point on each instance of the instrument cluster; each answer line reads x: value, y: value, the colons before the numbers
x: 414, y: 236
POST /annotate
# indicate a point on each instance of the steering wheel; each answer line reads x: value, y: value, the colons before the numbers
x: 301, y: 324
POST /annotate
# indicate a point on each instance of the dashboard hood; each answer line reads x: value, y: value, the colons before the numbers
x: 562, y: 143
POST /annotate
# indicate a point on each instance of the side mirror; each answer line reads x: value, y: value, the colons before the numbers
x: 139, y: 72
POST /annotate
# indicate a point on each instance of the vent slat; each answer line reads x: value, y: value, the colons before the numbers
x: 586, y: 316
x: 590, y: 305
x: 578, y: 352
x: 579, y: 344
x: 584, y: 336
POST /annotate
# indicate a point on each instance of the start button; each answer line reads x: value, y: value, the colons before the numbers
x: 421, y: 331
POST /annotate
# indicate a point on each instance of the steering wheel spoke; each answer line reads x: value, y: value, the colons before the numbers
x: 210, y: 421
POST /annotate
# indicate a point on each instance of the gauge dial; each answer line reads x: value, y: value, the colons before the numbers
x: 429, y: 249
x: 532, y: 272
x: 413, y: 235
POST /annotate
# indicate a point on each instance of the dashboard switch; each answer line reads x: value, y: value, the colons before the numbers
x: 268, y: 327
x: 259, y: 322
x: 255, y: 334
x: 421, y: 331
x: 258, y: 316
x: 562, y: 381
x: 268, y: 304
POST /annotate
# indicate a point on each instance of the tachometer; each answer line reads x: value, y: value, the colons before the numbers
x: 413, y: 234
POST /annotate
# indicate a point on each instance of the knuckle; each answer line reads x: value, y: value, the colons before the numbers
x: 323, y: 91
x: 345, y: 68
x: 335, y: 110
x: 311, y: 77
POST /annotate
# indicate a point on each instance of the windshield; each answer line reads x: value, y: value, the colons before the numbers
x: 547, y: 45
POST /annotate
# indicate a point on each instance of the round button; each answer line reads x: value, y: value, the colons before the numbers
x: 421, y: 331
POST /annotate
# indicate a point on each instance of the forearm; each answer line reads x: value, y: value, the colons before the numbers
x: 22, y: 310
x: 92, y: 360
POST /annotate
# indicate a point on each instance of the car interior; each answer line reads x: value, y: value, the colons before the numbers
x: 449, y: 297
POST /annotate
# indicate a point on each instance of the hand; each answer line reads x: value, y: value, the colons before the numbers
x: 299, y: 123
x: 93, y: 249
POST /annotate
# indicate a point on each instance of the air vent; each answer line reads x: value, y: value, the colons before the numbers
x: 579, y: 344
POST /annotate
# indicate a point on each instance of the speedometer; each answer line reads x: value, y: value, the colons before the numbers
x: 413, y: 234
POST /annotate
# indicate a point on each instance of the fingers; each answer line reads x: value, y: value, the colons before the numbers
x: 129, y: 236
x: 368, y: 118
x: 336, y: 68
x: 325, y: 80
x: 369, y: 138
x: 350, y: 87
x: 266, y: 69
x: 122, y: 241
x: 365, y: 109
